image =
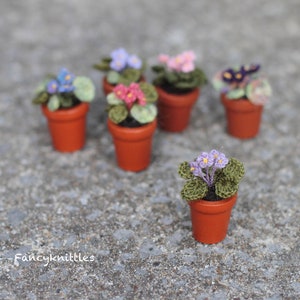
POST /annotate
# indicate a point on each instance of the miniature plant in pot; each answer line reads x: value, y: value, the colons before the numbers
x: 178, y: 83
x: 121, y: 68
x: 211, y: 192
x: 244, y: 93
x: 132, y: 123
x: 64, y: 100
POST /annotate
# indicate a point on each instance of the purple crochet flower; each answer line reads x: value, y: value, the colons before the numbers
x: 52, y: 86
x: 250, y: 69
x: 196, y: 169
x: 228, y: 75
x: 119, y: 54
x: 118, y: 65
x: 221, y: 161
x: 134, y: 62
x: 206, y: 164
x: 205, y: 160
x: 64, y: 77
x: 239, y: 75
x: 66, y: 88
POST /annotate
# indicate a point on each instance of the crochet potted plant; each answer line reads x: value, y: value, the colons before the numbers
x: 120, y: 67
x: 64, y: 101
x: 211, y: 192
x: 178, y: 83
x: 243, y: 94
x: 132, y: 123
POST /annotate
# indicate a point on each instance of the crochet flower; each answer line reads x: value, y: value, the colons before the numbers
x: 119, y: 54
x: 120, y: 91
x: 140, y: 96
x: 130, y: 94
x: 118, y: 64
x: 189, y: 55
x: 206, y: 164
x: 196, y: 169
x: 205, y: 160
x: 188, y: 67
x: 64, y: 77
x: 221, y: 161
x: 228, y: 75
x: 250, y: 69
x: 163, y: 58
x: 66, y: 88
x: 183, y: 62
x: 134, y: 62
x: 52, y: 86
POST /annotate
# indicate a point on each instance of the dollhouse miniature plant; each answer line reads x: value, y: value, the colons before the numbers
x: 243, y: 82
x: 64, y: 90
x: 211, y: 176
x: 121, y: 67
x: 178, y: 73
x: 133, y: 105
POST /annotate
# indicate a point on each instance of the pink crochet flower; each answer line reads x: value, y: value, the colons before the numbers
x: 130, y: 94
x: 188, y: 67
x: 183, y: 62
x: 163, y: 58
x: 189, y: 56
x: 173, y: 64
x: 120, y: 91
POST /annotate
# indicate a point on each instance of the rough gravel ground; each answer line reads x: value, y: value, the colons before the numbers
x: 133, y: 228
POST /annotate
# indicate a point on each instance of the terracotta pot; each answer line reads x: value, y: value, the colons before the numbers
x: 243, y: 117
x: 108, y: 88
x: 210, y: 219
x: 174, y: 110
x: 132, y: 145
x: 67, y: 127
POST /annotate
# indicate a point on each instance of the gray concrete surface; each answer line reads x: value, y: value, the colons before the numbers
x: 134, y: 228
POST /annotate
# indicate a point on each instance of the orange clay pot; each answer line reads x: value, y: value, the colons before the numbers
x: 243, y: 117
x: 132, y: 145
x: 174, y: 110
x: 67, y: 127
x: 210, y: 219
x: 108, y: 88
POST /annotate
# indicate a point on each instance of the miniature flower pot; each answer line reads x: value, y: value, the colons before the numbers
x: 132, y: 145
x: 67, y: 127
x: 108, y: 87
x: 243, y: 117
x: 210, y: 219
x: 174, y: 110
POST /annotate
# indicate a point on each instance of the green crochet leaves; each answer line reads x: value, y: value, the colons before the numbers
x: 184, y: 171
x: 84, y: 89
x: 194, y: 190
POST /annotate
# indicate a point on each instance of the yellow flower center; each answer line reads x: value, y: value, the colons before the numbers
x: 205, y: 160
x: 227, y: 75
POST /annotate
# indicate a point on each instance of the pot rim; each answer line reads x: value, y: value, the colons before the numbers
x: 212, y: 207
x: 242, y: 104
x: 67, y: 114
x: 132, y: 134
x: 182, y: 100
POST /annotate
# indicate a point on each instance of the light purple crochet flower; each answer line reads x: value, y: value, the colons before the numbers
x: 119, y: 54
x: 206, y: 165
x: 196, y: 169
x: 52, y: 86
x: 134, y: 62
x: 118, y: 64
x: 205, y: 160
x: 221, y: 161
